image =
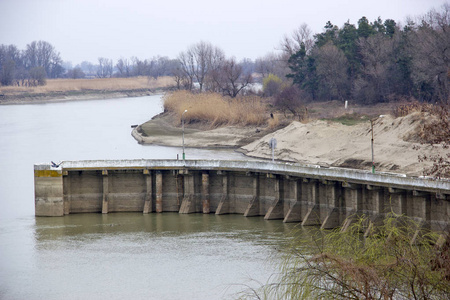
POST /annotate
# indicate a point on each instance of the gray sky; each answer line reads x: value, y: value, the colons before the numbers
x: 88, y: 29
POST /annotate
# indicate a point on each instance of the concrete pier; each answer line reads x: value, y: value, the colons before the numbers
x: 312, y: 195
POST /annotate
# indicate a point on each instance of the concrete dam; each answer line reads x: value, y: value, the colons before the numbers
x: 312, y: 195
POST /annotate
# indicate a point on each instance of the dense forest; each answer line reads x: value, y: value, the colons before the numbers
x: 367, y: 62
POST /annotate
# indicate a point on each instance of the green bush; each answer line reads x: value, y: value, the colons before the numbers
x: 271, y: 85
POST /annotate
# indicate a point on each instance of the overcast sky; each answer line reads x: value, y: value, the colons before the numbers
x: 88, y: 29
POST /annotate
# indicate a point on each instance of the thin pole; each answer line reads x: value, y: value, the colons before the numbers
x: 182, y: 122
x: 273, y: 153
x: 373, y: 160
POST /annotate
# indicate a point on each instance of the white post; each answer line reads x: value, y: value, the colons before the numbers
x: 273, y: 144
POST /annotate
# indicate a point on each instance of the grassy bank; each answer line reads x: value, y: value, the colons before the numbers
x: 215, y: 110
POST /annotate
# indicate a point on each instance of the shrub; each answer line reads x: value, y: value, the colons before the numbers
x: 290, y: 99
x: 271, y: 85
x: 387, y: 264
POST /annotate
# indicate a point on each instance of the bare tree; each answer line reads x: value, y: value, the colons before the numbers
x: 123, y: 67
x: 104, y: 68
x: 377, y: 52
x: 43, y: 54
x: 431, y: 52
x: 290, y: 99
x: 231, y: 78
x: 332, y: 70
x: 9, y: 63
x: 201, y: 53
x: 187, y: 68
x: 140, y: 67
x: 199, y: 61
x: 272, y: 63
x: 75, y: 73
x: 37, y: 76
x: 291, y: 44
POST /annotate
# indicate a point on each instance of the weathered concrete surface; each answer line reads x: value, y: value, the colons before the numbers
x: 328, y: 197
x: 48, y: 190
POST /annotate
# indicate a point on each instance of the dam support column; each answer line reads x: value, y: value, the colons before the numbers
x: 253, y: 207
x: 148, y: 191
x: 312, y: 217
x: 159, y: 192
x: 205, y: 193
x: 397, y: 201
x: 188, y: 203
x: 294, y: 213
x: 66, y: 192
x: 352, y: 203
x: 440, y: 212
x: 420, y: 210
x: 276, y: 210
x: 224, y: 204
x: 105, y: 191
x: 334, y: 217
x: 375, y: 210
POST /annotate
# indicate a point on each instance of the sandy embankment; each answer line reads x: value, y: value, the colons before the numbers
x: 161, y: 131
x: 319, y: 142
x: 333, y: 144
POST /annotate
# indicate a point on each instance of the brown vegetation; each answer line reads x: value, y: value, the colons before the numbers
x: 435, y: 131
x: 389, y: 262
x: 216, y: 110
x: 97, y: 84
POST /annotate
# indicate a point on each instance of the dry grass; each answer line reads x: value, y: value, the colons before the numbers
x: 274, y: 122
x: 101, y: 84
x: 402, y: 110
x: 216, y: 110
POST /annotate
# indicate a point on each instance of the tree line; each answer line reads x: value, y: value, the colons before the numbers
x: 29, y: 67
x: 373, y: 61
x: 367, y: 62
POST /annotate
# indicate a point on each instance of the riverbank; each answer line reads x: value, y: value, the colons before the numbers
x: 162, y: 131
x: 58, y: 90
x: 320, y: 142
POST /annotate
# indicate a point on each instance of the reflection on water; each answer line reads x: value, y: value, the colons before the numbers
x: 157, y: 256
x: 166, y: 224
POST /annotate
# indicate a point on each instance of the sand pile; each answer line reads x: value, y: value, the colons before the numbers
x: 333, y: 144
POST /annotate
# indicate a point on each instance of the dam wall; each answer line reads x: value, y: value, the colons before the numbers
x: 311, y: 195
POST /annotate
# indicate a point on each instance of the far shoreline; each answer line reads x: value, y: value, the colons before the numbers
x: 78, y: 96
x: 60, y: 90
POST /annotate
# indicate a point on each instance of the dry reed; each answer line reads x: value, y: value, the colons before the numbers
x: 274, y: 122
x: 216, y: 110
x: 101, y: 84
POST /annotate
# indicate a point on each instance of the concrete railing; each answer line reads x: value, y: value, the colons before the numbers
x: 312, y: 171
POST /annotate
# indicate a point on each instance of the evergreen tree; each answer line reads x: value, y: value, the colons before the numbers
x: 364, y: 28
x: 330, y: 34
x: 303, y: 71
x: 390, y: 26
x: 347, y: 42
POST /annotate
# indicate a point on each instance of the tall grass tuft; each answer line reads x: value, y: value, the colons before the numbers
x: 213, y: 109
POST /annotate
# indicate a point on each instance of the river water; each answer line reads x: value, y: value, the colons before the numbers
x: 124, y: 255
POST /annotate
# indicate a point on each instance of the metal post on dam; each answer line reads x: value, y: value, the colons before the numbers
x: 311, y: 195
